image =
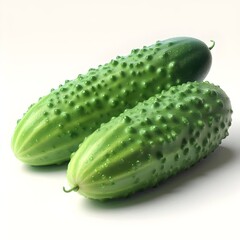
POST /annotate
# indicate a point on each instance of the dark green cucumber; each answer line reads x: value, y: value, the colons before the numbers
x: 53, y: 128
x: 151, y: 142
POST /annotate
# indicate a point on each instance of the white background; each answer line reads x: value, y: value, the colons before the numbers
x: 43, y: 43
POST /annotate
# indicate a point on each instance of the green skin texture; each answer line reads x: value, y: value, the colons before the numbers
x: 151, y: 142
x: 53, y: 128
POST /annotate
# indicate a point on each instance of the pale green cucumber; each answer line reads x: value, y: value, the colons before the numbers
x: 151, y: 142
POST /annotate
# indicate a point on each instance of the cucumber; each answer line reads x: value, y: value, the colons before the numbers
x: 151, y: 142
x: 53, y: 127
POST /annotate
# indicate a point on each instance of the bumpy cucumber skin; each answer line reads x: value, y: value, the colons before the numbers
x: 53, y: 128
x: 151, y: 142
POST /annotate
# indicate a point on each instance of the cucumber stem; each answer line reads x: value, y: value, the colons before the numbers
x: 213, y: 44
x: 75, y: 189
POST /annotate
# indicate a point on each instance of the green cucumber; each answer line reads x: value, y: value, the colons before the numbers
x: 151, y: 142
x: 53, y: 127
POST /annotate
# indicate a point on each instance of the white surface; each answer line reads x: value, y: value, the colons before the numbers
x: 42, y: 43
